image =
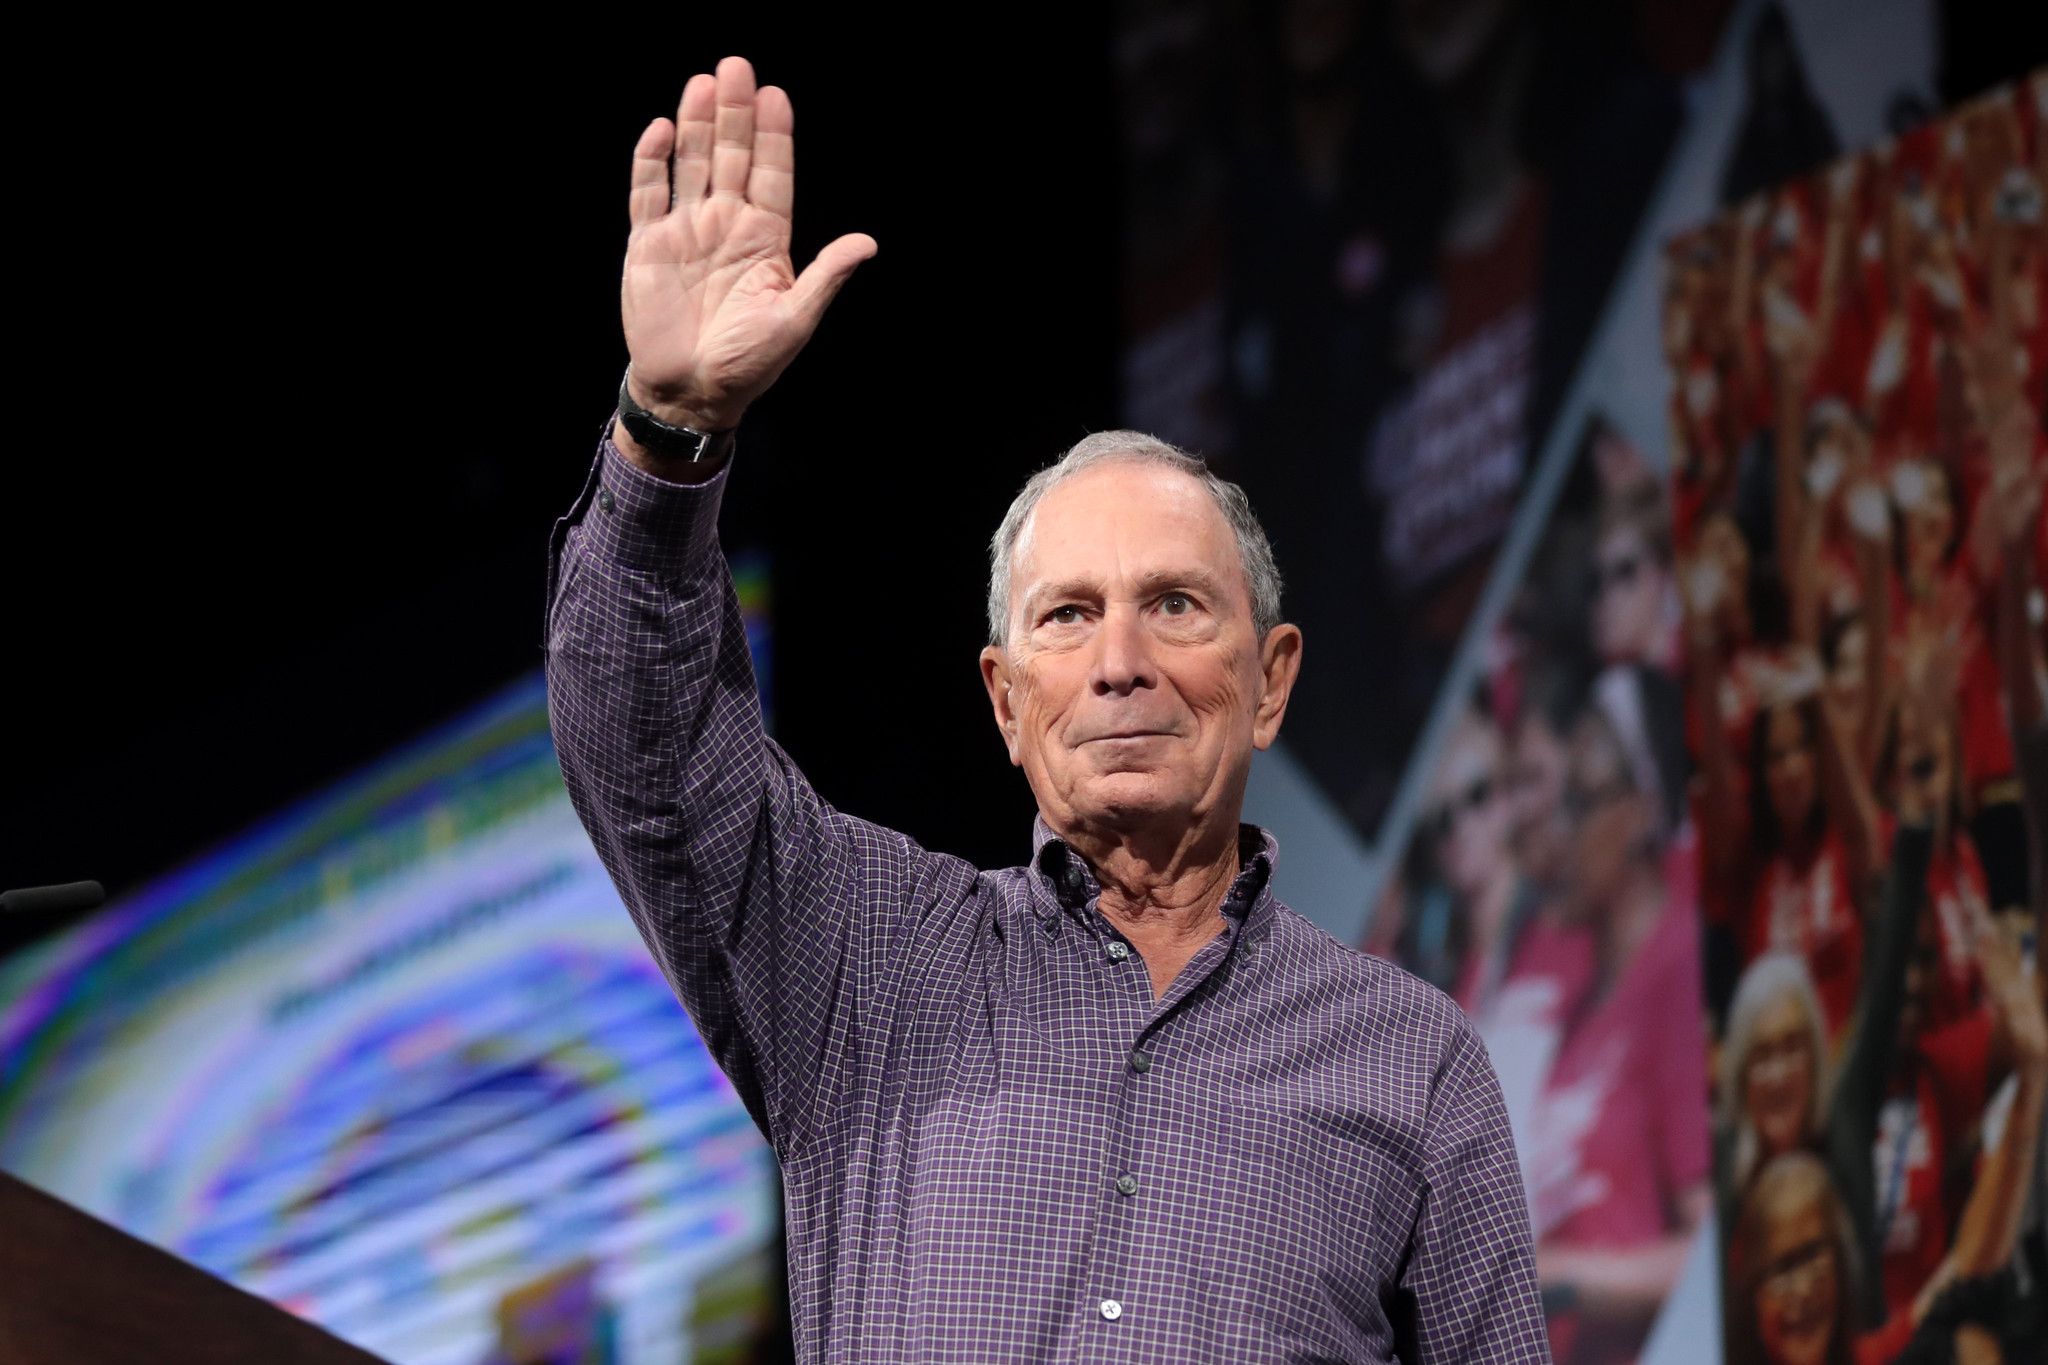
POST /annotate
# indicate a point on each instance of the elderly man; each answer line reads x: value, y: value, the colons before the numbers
x: 1118, y: 1105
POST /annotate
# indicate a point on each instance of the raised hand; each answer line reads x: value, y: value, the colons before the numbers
x: 2016, y: 477
x: 2012, y: 991
x: 713, y: 309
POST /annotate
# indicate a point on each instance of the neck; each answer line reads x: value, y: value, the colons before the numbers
x: 1163, y: 890
x: 1150, y: 877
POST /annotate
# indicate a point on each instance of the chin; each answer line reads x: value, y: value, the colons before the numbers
x: 1121, y: 800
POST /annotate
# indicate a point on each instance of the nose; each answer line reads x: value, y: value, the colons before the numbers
x: 1123, y: 654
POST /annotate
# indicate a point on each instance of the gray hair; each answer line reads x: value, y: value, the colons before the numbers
x: 1254, y: 551
x: 1772, y: 977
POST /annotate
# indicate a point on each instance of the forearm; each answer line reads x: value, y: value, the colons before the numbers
x: 1991, y: 1220
x: 640, y: 649
x: 658, y: 729
x: 1875, y: 572
x: 1858, y: 1095
x: 2032, y: 751
x: 1721, y: 817
x: 1616, y: 1282
x: 1625, y: 1281
x: 1805, y: 585
x: 1854, y: 804
x: 2018, y: 640
x: 745, y: 885
x: 1789, y: 409
x: 1900, y: 902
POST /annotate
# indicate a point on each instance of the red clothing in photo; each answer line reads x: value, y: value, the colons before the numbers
x: 1558, y: 961
x: 1810, y: 908
x: 1839, y: 581
x: 1917, y: 1135
x: 1902, y: 381
x: 1884, y: 1345
x: 1549, y: 974
x: 1620, y: 1129
x: 1955, y: 878
x: 1750, y: 675
x: 1550, y: 971
x: 1987, y: 743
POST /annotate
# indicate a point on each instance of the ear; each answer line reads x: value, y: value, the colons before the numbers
x: 995, y: 676
x: 1279, y: 666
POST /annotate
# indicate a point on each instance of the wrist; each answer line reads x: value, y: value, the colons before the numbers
x: 667, y: 470
x: 695, y: 411
x: 669, y: 450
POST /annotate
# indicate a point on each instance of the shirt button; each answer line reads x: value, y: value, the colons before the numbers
x: 604, y: 498
x: 1141, y: 1060
x: 1127, y: 1183
x: 1112, y: 1310
x: 1116, y: 951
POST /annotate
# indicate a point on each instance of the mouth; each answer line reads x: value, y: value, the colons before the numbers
x: 1803, y: 1321
x: 1121, y: 735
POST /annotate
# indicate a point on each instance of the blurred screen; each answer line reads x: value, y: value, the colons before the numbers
x: 1860, y: 366
x: 1551, y: 889
x: 399, y: 1062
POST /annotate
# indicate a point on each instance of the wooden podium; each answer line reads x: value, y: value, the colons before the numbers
x: 76, y: 1291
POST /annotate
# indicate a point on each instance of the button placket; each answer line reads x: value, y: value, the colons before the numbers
x: 1111, y: 1266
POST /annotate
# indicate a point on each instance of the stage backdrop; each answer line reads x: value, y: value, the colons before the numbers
x: 399, y: 1062
x: 1399, y: 268
x: 1860, y: 367
x: 1385, y: 260
x: 1551, y: 888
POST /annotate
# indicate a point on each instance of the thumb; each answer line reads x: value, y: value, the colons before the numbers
x: 815, y: 289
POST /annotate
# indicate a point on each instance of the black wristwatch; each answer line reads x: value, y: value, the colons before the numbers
x: 668, y: 441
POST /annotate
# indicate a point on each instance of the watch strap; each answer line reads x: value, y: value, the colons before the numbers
x: 667, y: 440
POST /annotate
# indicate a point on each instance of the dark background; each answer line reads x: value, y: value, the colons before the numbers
x: 318, y: 324
x: 323, y: 332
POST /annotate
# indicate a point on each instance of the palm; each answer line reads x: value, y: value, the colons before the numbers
x: 713, y: 309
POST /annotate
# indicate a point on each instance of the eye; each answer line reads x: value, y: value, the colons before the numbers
x: 1176, y: 604
x: 1068, y: 615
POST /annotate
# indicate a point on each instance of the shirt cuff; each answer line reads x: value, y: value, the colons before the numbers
x: 649, y: 524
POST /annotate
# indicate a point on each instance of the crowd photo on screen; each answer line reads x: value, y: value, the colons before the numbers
x: 1551, y: 890
x: 1734, y: 854
x: 1858, y: 361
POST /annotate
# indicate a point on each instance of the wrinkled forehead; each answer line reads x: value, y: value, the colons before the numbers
x: 1123, y: 522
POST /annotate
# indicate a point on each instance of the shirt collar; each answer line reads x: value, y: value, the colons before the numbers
x: 1065, y: 882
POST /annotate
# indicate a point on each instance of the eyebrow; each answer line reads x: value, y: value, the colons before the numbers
x: 1148, y: 585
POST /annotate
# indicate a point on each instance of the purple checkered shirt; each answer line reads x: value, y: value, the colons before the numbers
x: 996, y: 1144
